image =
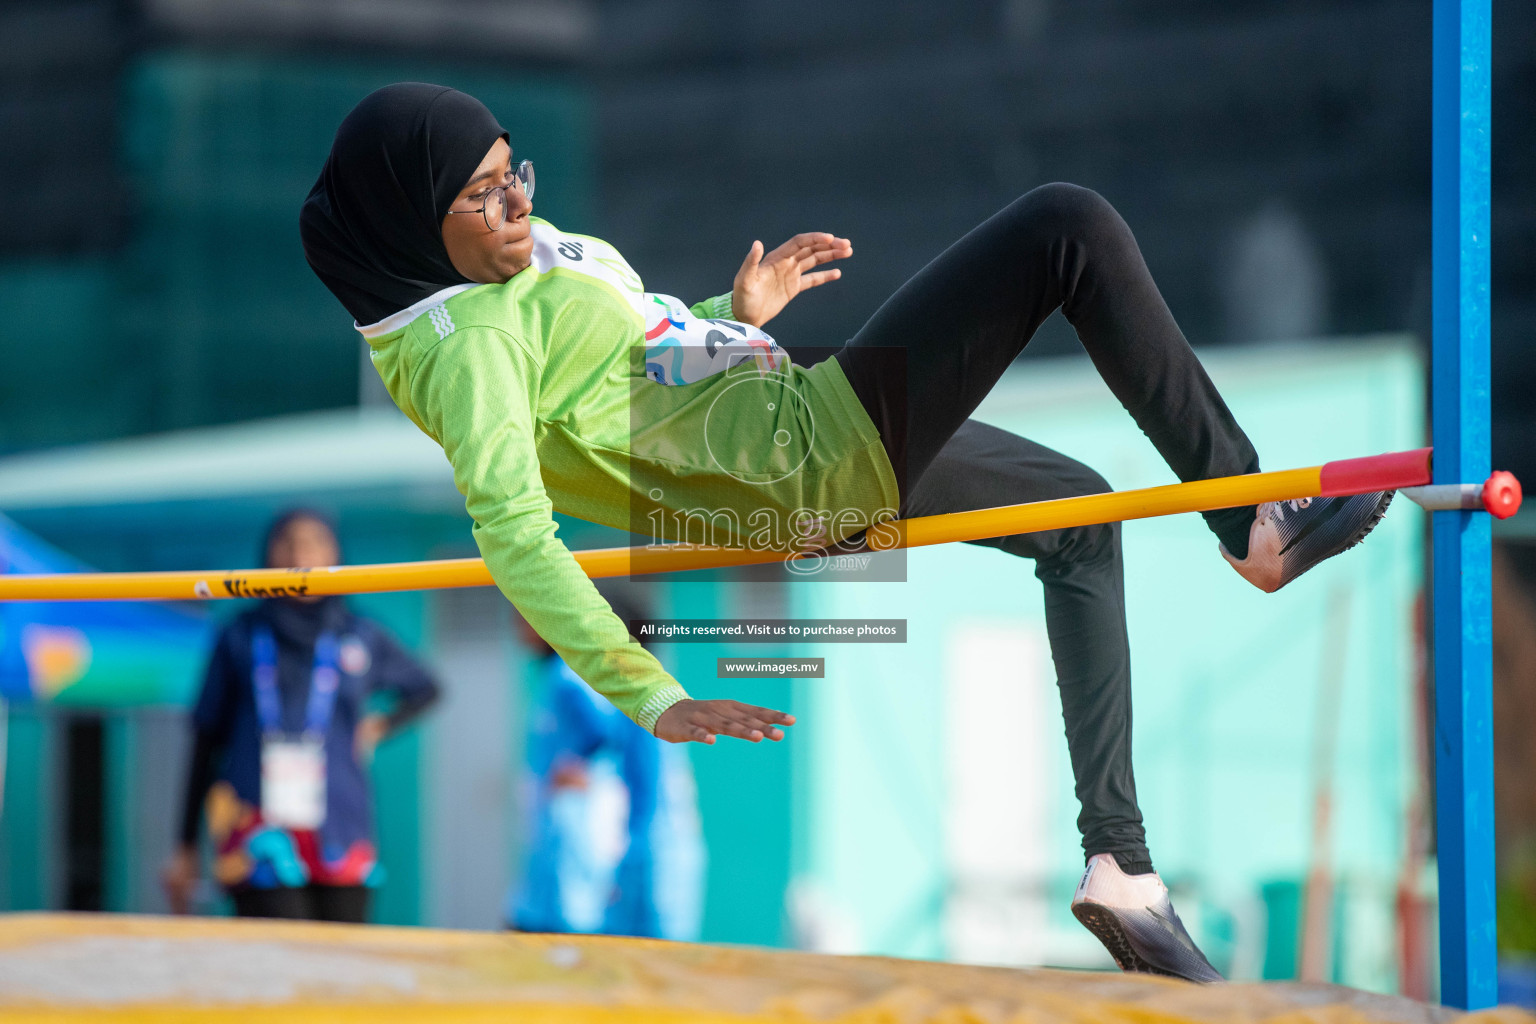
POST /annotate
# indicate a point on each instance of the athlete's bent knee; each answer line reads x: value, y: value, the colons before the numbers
x: 1080, y: 479
x: 1099, y: 541
x: 1068, y: 209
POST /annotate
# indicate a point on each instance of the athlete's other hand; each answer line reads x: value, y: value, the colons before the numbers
x: 179, y: 877
x: 700, y: 721
x: 370, y: 733
x: 765, y: 284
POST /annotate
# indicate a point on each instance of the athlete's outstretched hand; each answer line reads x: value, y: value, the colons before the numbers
x: 765, y: 284
x: 702, y: 720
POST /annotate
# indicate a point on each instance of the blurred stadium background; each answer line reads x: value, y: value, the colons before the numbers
x: 173, y: 374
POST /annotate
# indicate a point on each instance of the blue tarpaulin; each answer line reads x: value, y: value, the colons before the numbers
x: 91, y: 652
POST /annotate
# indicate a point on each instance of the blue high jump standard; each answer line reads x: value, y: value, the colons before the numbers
x: 1462, y: 547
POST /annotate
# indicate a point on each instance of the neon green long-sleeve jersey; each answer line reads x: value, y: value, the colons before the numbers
x: 571, y: 388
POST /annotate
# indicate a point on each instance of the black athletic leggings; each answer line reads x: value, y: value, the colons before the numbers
x: 345, y: 903
x: 933, y: 351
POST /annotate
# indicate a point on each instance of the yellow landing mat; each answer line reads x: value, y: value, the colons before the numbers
x: 67, y: 967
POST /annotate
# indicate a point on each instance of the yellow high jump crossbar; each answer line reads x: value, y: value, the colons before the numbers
x: 1407, y: 471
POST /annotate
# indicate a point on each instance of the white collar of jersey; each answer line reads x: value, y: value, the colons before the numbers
x: 402, y: 319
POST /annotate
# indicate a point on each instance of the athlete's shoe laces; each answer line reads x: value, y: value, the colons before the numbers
x: 1278, y: 509
x: 1289, y: 537
x: 1133, y: 917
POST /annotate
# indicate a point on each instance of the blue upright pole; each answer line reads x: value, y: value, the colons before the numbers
x: 1462, y: 553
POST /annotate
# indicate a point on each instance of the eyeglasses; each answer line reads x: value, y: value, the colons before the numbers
x: 495, y: 206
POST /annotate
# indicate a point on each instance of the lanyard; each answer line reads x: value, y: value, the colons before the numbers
x: 324, y: 681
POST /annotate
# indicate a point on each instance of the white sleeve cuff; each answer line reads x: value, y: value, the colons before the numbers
x: 658, y: 702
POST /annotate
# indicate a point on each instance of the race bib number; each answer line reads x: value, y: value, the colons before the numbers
x: 680, y: 348
x: 293, y: 782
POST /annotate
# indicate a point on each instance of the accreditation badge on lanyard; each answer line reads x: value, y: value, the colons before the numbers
x: 293, y: 767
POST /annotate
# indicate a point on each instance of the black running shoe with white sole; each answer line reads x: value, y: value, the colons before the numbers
x: 1133, y: 917
x: 1289, y: 537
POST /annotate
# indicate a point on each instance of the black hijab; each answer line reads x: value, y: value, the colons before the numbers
x: 372, y: 225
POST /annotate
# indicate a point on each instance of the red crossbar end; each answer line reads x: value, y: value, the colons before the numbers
x: 1376, y: 473
x: 1501, y: 495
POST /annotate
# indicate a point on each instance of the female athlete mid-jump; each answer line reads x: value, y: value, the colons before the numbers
x: 553, y: 380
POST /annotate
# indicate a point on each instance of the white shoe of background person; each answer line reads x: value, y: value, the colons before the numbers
x: 1289, y: 537
x: 1133, y: 917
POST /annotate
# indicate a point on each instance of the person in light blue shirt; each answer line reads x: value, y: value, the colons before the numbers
x: 614, y: 841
